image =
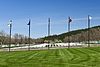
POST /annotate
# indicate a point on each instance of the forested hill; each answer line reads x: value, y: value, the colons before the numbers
x: 76, y: 35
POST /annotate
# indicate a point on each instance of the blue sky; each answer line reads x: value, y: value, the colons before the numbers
x: 20, y: 11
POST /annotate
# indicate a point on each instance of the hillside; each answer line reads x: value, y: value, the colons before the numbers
x: 75, y: 36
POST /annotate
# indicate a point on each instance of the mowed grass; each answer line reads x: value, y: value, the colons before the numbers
x: 73, y: 57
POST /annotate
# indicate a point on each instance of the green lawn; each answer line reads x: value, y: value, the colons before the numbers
x: 73, y: 57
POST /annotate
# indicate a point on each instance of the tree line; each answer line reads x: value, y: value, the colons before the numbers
x: 16, y: 38
x: 75, y: 36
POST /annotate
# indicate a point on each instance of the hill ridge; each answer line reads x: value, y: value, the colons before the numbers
x: 75, y: 35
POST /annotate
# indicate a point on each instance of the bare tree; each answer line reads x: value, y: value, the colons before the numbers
x: 2, y: 37
x: 16, y: 38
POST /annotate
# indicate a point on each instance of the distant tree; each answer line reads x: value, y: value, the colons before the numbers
x: 21, y: 39
x: 16, y: 36
x: 26, y: 40
x: 2, y: 37
x: 45, y: 41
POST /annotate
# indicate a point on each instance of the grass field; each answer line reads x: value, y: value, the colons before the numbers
x: 73, y: 57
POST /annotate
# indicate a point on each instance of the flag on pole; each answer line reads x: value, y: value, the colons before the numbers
x: 29, y: 22
x: 10, y: 23
x: 10, y: 20
x: 90, y: 17
x: 69, y: 19
x: 48, y: 26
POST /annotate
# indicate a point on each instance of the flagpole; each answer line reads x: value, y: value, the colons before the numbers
x: 69, y: 20
x: 68, y: 33
x: 89, y: 30
x: 29, y: 36
x: 48, y: 26
x: 48, y: 31
x: 10, y: 25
